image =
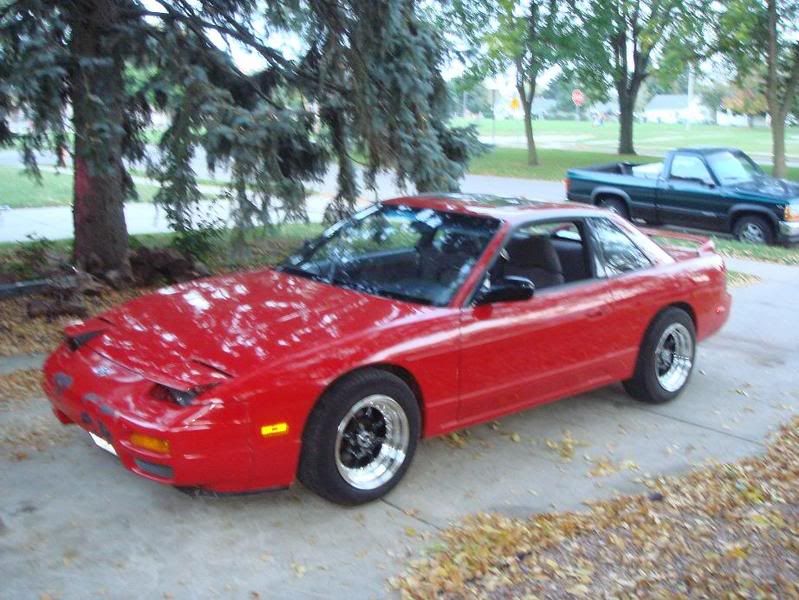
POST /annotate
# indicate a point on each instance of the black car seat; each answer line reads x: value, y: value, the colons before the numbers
x: 534, y: 257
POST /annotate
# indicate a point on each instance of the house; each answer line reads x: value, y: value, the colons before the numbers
x: 676, y: 108
x: 543, y: 108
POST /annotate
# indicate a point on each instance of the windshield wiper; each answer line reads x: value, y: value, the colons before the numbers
x: 295, y: 270
x: 347, y: 281
x: 401, y: 296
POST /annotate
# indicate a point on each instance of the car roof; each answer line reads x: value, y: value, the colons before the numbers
x: 509, y: 209
x: 707, y: 150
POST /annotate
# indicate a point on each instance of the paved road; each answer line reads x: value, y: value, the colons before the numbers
x: 55, y: 222
x: 73, y: 524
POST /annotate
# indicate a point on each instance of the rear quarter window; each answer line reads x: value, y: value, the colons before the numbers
x: 618, y: 253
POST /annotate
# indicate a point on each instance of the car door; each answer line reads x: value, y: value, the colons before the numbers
x: 690, y: 196
x: 522, y: 353
x: 637, y: 288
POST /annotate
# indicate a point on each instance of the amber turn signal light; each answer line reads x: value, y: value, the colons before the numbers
x: 274, y: 429
x: 147, y: 442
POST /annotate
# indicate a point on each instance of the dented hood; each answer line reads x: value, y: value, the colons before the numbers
x: 222, y: 327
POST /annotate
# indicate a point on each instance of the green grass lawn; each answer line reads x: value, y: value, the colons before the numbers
x: 649, y: 137
x: 775, y: 254
x: 512, y: 162
x: 18, y: 190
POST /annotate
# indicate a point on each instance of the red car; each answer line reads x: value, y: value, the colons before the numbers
x: 416, y: 317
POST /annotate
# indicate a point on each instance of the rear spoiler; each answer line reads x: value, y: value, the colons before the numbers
x: 697, y: 243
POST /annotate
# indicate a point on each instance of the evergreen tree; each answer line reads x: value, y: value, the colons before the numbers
x: 89, y: 75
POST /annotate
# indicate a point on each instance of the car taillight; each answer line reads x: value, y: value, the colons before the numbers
x: 567, y: 184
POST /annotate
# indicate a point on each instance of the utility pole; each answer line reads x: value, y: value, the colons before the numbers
x: 493, y: 116
x: 691, y: 83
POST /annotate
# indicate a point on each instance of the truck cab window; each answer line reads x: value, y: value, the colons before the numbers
x: 690, y: 168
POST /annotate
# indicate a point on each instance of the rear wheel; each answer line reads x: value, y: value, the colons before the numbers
x: 753, y: 230
x: 615, y: 205
x: 665, y: 359
x: 360, y: 438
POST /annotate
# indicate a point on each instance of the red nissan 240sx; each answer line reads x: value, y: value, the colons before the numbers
x: 416, y: 317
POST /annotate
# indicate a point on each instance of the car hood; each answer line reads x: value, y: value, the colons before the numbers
x: 769, y: 188
x: 222, y: 327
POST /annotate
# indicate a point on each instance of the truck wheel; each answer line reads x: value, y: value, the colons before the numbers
x: 615, y: 205
x: 753, y: 229
x: 360, y: 438
x: 665, y: 358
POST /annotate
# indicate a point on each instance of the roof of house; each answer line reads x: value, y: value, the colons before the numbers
x: 668, y: 102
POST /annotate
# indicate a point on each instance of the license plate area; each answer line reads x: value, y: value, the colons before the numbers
x: 101, y: 443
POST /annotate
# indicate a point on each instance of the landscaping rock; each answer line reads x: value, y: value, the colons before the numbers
x: 118, y: 279
x: 56, y: 308
x: 201, y: 269
x: 151, y: 264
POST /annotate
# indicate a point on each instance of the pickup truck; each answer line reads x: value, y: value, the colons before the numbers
x: 718, y: 189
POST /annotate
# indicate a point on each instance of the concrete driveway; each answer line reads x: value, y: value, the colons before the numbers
x: 75, y: 525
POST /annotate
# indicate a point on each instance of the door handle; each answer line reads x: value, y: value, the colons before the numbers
x: 596, y: 313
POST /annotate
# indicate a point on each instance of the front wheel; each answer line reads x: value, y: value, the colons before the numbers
x: 360, y: 438
x: 665, y: 359
x: 753, y: 230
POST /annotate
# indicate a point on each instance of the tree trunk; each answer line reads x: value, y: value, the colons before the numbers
x: 626, y: 114
x: 101, y: 237
x: 532, y: 152
x: 778, y: 145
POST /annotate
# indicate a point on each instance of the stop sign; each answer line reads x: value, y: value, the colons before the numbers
x: 578, y: 97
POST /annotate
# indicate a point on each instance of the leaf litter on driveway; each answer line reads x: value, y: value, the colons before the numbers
x: 724, y: 530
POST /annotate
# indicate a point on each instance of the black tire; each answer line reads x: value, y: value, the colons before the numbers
x: 319, y: 468
x: 645, y: 384
x: 615, y: 205
x: 753, y: 229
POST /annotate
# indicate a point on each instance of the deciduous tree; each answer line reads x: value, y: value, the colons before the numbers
x: 754, y: 36
x: 527, y: 36
x: 624, y: 42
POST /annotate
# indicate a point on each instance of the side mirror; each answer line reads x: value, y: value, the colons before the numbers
x: 509, y: 289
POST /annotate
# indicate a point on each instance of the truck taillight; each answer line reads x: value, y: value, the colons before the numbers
x: 567, y: 183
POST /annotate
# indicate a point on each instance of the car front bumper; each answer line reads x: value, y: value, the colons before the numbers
x: 208, y: 445
x: 789, y: 231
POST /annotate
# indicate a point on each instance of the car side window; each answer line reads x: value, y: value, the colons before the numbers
x: 549, y: 254
x: 619, y: 254
x: 692, y: 168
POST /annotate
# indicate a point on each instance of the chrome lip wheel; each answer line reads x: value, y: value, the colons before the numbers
x: 674, y: 357
x: 372, y: 442
x: 753, y: 233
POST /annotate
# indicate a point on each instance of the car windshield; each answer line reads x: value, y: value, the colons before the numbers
x: 397, y: 251
x: 733, y: 167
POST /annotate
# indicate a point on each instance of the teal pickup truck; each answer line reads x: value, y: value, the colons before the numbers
x: 720, y: 189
